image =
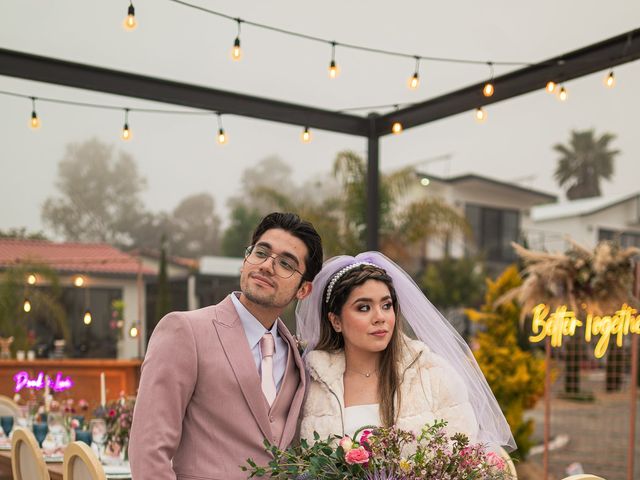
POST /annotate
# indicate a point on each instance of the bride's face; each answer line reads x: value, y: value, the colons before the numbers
x: 367, y: 318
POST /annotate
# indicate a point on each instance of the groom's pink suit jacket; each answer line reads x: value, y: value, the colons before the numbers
x: 200, y: 411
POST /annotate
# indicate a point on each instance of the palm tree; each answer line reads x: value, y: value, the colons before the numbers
x: 584, y: 162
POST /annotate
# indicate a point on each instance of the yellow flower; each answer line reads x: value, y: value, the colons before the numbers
x: 405, y: 465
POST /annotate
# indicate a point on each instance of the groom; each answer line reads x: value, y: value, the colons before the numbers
x: 217, y: 381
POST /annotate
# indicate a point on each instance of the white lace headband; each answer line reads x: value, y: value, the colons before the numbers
x: 340, y: 273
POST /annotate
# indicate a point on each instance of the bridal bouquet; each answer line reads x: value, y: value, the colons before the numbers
x: 382, y: 453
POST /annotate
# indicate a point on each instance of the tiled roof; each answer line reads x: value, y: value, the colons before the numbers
x: 70, y: 257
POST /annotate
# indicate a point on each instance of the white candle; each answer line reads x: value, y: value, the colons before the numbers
x: 103, y: 392
x: 47, y: 396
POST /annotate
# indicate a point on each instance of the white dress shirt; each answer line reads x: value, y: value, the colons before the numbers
x: 254, y: 331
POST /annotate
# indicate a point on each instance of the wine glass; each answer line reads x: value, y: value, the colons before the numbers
x: 40, y: 431
x: 98, y: 429
x: 7, y: 424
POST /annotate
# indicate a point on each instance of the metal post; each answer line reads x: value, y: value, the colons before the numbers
x: 547, y: 408
x: 373, y: 185
x: 140, y: 285
x: 633, y: 408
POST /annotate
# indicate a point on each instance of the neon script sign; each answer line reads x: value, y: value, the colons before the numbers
x: 57, y: 384
x: 563, y: 322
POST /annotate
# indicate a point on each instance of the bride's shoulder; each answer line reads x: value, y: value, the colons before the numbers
x: 419, y: 354
x: 322, y: 363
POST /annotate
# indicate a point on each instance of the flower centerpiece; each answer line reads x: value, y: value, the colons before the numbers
x: 118, y: 416
x: 384, y: 453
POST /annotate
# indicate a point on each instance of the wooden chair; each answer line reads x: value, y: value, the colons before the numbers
x: 8, y: 407
x: 27, y: 460
x: 80, y: 463
x: 583, y: 476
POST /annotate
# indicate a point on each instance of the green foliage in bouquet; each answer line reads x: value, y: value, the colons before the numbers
x: 382, y: 453
x: 515, y: 375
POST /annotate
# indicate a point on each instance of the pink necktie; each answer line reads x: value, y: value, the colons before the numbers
x: 267, y: 348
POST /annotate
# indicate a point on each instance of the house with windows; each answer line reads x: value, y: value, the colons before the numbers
x: 100, y: 289
x: 497, y: 212
x: 587, y: 221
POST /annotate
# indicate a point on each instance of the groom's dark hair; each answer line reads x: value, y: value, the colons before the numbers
x: 302, y: 229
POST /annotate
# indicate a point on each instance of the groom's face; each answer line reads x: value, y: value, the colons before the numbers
x: 260, y: 283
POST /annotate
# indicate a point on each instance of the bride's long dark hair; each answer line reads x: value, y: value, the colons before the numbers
x: 331, y: 341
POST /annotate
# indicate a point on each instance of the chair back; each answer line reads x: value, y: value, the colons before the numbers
x: 80, y: 463
x: 8, y: 407
x: 27, y: 460
x: 583, y: 476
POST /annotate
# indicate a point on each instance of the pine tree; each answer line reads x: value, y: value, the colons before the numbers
x: 515, y: 375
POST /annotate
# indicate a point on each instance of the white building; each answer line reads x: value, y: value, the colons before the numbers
x: 587, y: 221
x: 497, y: 212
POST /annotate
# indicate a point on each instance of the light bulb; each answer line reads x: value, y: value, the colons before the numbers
x: 562, y: 94
x: 78, y: 281
x: 481, y: 115
x: 130, y: 21
x: 610, y: 80
x: 236, y: 51
x: 133, y: 331
x: 396, y: 128
x: 551, y: 86
x: 222, y: 137
x: 87, y: 317
x: 306, y: 135
x: 32, y: 279
x: 425, y: 182
x: 414, y: 81
x: 126, y: 132
x: 488, y: 89
x: 35, y: 121
x: 26, y: 306
x: 333, y: 69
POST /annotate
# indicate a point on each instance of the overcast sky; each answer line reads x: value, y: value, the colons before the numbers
x: 178, y: 154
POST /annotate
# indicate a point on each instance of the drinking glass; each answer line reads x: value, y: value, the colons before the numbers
x: 57, y: 429
x: 40, y: 431
x: 83, y: 436
x: 7, y: 424
x: 98, y: 429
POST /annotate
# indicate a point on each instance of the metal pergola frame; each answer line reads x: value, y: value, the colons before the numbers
x: 609, y: 53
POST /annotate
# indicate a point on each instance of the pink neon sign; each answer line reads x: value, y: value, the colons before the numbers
x: 57, y: 384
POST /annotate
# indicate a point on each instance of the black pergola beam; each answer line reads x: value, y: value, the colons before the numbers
x: 599, y: 56
x: 88, y: 77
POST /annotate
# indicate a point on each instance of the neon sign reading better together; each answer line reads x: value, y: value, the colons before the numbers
x: 57, y: 384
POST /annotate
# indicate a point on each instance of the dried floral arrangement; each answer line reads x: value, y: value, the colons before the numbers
x: 598, y: 280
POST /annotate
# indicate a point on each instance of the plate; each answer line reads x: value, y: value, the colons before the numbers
x: 117, y: 471
x: 5, y: 446
x: 54, y: 458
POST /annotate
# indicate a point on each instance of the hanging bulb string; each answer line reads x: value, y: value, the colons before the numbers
x: 347, y: 45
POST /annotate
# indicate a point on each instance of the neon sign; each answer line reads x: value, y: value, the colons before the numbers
x: 563, y: 322
x: 58, y: 384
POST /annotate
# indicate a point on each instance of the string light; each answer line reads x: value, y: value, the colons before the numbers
x: 424, y: 181
x: 236, y: 51
x: 133, y: 331
x: 610, y: 80
x: 550, y: 87
x: 306, y: 135
x: 126, y: 132
x: 563, y: 94
x: 488, y: 89
x: 26, y: 306
x: 78, y: 280
x: 32, y: 279
x: 396, y: 128
x: 130, y: 21
x: 481, y: 115
x: 222, y: 137
x: 87, y: 318
x: 414, y: 81
x: 35, y: 121
x: 333, y: 67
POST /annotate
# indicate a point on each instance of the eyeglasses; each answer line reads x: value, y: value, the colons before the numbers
x: 283, y: 266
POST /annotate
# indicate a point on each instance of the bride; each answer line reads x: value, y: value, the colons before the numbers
x: 364, y: 370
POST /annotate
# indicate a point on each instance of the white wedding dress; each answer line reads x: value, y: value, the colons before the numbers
x: 358, y: 416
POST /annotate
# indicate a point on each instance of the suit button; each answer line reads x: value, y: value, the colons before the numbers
x: 271, y: 419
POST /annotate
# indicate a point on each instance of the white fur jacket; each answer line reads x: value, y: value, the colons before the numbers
x: 430, y: 390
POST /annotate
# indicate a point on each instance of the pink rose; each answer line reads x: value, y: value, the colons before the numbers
x: 346, y: 443
x: 495, y: 460
x: 357, y: 455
